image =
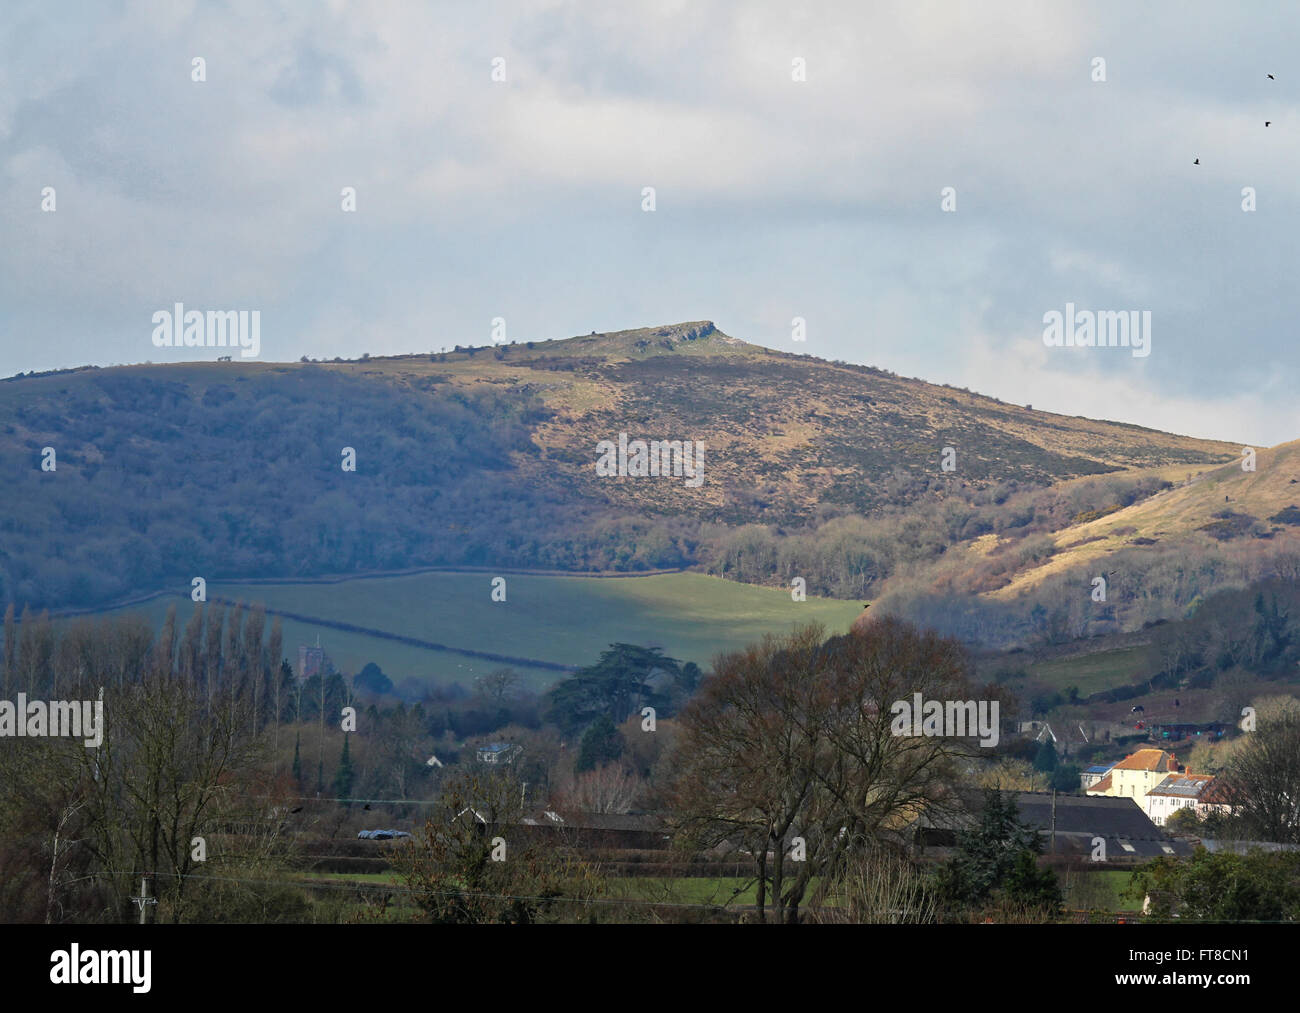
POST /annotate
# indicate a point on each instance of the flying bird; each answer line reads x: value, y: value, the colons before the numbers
x: 1197, y: 162
x: 1271, y: 77
x: 296, y: 809
x: 1267, y: 122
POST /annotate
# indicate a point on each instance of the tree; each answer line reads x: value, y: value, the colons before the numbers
x: 372, y: 679
x: 1262, y: 780
x: 297, y: 760
x: 608, y: 789
x: 1045, y: 759
x: 499, y: 684
x: 999, y: 859
x: 452, y: 873
x: 616, y: 686
x: 1223, y: 886
x: 1184, y: 820
x: 878, y: 886
x: 169, y: 769
x: 344, y: 776
x: 1065, y: 777
x: 602, y: 743
x: 793, y: 738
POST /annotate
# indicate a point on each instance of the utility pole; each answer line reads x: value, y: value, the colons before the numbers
x: 144, y: 900
x: 1052, y: 848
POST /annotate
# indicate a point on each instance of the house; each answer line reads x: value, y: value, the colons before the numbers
x: 1215, y: 798
x: 1177, y: 791
x: 1136, y: 774
x: 1092, y: 775
x: 1073, y: 826
x: 499, y: 753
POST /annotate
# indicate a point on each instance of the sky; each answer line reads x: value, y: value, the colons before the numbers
x: 775, y: 198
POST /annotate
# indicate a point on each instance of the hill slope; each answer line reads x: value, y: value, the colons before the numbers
x: 486, y: 457
x: 1224, y: 506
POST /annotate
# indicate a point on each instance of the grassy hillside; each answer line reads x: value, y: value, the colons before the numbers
x: 561, y: 620
x: 485, y: 457
x: 1210, y: 508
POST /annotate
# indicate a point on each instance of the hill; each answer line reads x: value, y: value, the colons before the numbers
x: 1211, y: 508
x: 486, y: 457
x: 560, y: 622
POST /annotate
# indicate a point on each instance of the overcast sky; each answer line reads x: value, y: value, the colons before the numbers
x: 775, y: 198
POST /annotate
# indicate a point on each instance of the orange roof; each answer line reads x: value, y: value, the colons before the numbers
x: 1148, y: 759
x: 1218, y: 793
x: 1100, y: 787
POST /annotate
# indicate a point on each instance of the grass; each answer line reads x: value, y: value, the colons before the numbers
x: 1099, y: 890
x: 1094, y: 672
x: 719, y: 890
x: 1178, y: 516
x: 562, y: 620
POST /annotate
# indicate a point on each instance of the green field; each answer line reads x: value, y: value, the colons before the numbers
x: 562, y: 620
x: 1095, y: 672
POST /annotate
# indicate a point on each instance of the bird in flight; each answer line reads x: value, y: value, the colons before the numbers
x: 1267, y: 122
x: 1197, y: 162
x: 1271, y: 77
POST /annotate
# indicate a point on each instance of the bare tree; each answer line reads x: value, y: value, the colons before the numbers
x: 611, y: 788
x: 789, y: 752
x: 879, y: 886
x: 475, y: 862
x: 1262, y: 780
x: 499, y: 684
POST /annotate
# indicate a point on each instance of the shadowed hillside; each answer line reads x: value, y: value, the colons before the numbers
x: 485, y: 456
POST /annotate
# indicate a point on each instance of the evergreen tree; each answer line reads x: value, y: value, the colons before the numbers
x: 345, y: 775
x: 601, y: 743
x: 999, y: 856
x: 1066, y: 777
x: 297, y: 761
x: 1045, y: 760
x: 618, y: 684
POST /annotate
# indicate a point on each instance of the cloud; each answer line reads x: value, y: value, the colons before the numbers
x: 775, y: 198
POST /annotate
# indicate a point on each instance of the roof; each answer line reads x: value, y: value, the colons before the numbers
x: 1183, y: 785
x: 595, y: 821
x: 1120, y: 822
x: 1099, y: 768
x: 496, y: 747
x: 1102, y: 786
x: 1218, y: 793
x: 1148, y: 759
